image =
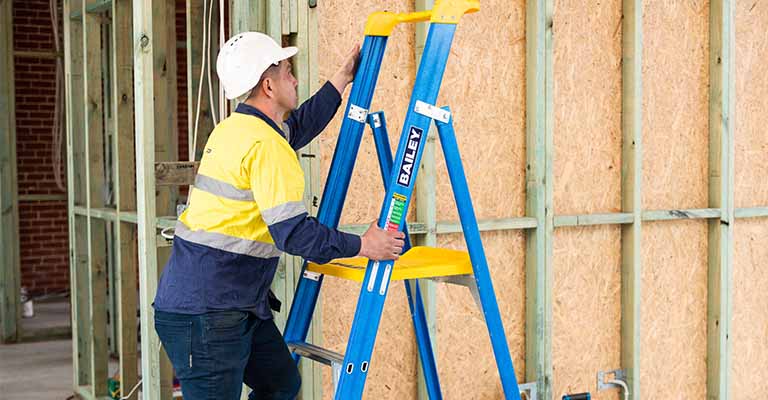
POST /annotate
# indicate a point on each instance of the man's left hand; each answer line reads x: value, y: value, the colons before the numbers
x: 346, y: 72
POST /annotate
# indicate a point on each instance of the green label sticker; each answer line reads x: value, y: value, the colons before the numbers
x: 396, y: 212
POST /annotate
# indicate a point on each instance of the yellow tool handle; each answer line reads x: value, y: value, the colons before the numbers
x: 445, y: 12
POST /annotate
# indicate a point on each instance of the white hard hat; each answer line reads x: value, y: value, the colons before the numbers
x: 244, y: 58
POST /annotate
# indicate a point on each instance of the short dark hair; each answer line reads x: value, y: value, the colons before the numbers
x: 269, y: 72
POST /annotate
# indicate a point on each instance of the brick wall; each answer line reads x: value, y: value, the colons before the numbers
x: 181, y: 64
x: 42, y: 224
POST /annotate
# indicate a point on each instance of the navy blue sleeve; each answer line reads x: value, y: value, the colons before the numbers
x: 305, y: 236
x: 306, y: 122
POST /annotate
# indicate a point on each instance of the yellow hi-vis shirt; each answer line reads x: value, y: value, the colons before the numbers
x: 245, y: 209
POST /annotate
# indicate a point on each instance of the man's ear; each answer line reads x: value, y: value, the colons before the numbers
x: 266, y: 86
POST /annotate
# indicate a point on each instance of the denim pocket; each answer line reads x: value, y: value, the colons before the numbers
x: 176, y: 337
x: 227, y: 326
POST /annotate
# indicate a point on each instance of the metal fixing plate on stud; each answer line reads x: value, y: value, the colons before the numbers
x: 428, y: 110
x: 529, y: 389
x: 357, y: 113
x: 604, y: 376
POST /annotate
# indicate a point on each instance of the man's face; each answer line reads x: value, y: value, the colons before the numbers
x: 285, y: 86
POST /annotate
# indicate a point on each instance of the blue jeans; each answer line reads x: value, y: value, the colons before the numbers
x: 213, y: 354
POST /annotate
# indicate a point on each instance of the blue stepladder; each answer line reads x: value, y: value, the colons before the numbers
x: 350, y: 370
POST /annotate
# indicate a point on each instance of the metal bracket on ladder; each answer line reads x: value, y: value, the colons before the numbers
x: 357, y: 113
x: 529, y: 389
x: 376, y: 117
x: 428, y: 110
x: 463, y: 280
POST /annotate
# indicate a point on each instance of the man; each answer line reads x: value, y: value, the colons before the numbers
x: 212, y: 309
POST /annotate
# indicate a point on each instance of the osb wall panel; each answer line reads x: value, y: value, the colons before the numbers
x: 587, y: 308
x: 674, y: 310
x: 675, y: 103
x: 464, y: 355
x: 393, y: 365
x: 341, y: 25
x: 751, y: 104
x: 587, y: 178
x: 484, y: 84
x: 749, y: 324
x: 587, y: 106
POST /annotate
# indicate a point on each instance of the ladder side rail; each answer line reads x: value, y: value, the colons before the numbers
x: 479, y: 261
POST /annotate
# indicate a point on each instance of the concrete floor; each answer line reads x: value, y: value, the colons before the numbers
x: 40, y: 370
x: 36, y: 371
x: 48, y: 315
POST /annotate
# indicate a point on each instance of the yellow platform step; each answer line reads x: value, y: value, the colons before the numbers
x: 419, y: 262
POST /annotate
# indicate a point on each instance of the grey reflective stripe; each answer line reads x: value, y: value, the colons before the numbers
x: 228, y: 243
x: 222, y: 189
x: 283, y: 212
x: 287, y: 131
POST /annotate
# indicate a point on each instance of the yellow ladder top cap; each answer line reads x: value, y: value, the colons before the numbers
x: 451, y: 11
x: 382, y: 23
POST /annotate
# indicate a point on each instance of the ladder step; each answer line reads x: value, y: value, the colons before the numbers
x: 316, y: 353
x: 321, y: 355
x: 419, y: 262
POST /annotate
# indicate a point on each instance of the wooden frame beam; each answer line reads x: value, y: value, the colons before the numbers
x: 304, y: 35
x: 93, y: 106
x: 722, y: 92
x: 316, y: 189
x: 539, y: 194
x: 10, y: 272
x: 493, y: 225
x: 144, y: 97
x: 76, y: 191
x: 751, y: 212
x: 426, y: 207
x: 277, y: 27
x: 165, y: 137
x: 274, y: 19
x: 631, y: 191
x: 247, y: 16
x: 126, y: 250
